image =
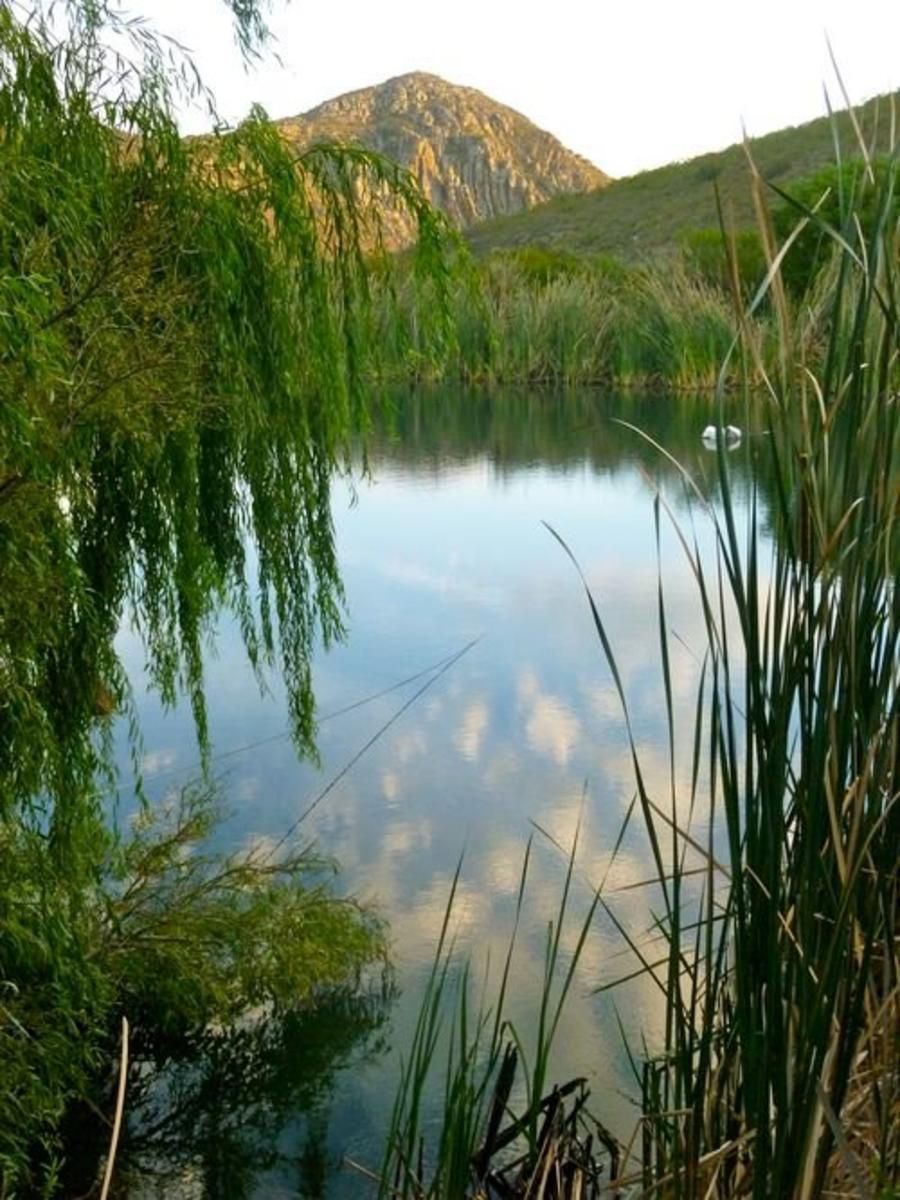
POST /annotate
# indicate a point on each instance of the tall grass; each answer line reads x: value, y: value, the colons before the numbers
x: 488, y: 1062
x: 589, y: 322
x: 779, y: 1073
x: 779, y: 1002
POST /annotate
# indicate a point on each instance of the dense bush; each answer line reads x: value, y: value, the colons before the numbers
x: 154, y: 928
x: 833, y: 200
x: 723, y: 260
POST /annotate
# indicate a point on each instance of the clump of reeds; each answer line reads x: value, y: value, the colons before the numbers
x: 658, y: 325
x: 780, y: 984
x: 779, y: 1075
x: 506, y: 1130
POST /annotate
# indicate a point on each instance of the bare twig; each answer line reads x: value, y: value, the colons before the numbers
x: 120, y: 1107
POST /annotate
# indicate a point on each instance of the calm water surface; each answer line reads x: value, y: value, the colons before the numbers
x: 442, y: 542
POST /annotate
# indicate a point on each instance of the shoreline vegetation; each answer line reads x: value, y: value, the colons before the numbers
x: 184, y: 349
x: 537, y: 318
x: 701, y: 317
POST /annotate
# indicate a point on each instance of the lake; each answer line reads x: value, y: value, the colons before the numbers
x: 442, y: 546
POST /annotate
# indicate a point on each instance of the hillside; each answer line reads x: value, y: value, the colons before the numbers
x: 474, y: 158
x: 644, y: 214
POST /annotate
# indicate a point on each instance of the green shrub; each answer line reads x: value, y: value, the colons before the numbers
x: 155, y: 928
x: 716, y: 258
x: 839, y: 197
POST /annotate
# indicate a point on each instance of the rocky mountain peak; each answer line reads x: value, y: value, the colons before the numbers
x: 474, y: 158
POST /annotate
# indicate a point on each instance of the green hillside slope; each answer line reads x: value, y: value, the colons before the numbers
x: 645, y: 214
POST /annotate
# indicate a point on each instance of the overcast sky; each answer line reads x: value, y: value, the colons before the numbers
x: 630, y: 84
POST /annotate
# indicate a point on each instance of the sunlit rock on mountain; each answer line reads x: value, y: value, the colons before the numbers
x: 474, y: 158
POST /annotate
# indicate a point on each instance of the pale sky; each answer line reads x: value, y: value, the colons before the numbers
x: 630, y: 84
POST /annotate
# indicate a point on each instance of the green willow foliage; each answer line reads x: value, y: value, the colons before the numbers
x: 184, y: 331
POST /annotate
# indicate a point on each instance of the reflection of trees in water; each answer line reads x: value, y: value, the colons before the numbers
x: 216, y: 1112
x: 432, y: 429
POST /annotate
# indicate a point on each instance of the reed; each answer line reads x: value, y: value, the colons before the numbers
x: 487, y: 1145
x: 592, y: 323
x: 779, y: 1002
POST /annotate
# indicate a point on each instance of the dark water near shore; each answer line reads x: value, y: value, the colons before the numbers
x: 441, y: 543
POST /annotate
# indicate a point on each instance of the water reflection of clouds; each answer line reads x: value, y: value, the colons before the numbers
x: 156, y: 761
x: 406, y: 837
x: 550, y: 726
x: 510, y: 737
x: 247, y: 788
x: 390, y: 787
x: 472, y: 729
x: 408, y: 745
x: 503, y: 866
x: 501, y: 769
x: 449, y: 584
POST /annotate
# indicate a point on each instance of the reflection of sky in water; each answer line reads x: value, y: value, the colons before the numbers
x: 512, y: 735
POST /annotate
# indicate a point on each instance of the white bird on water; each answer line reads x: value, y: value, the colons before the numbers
x: 730, y: 434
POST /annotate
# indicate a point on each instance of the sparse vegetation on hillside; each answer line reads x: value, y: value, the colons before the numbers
x: 544, y: 314
x: 645, y: 215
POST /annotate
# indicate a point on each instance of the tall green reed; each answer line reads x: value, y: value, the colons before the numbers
x: 782, y: 983
x: 652, y: 325
x: 486, y: 1056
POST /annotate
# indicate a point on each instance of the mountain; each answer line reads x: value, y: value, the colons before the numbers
x: 645, y: 214
x: 473, y: 157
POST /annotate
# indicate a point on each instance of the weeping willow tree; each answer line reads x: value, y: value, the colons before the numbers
x: 184, y: 334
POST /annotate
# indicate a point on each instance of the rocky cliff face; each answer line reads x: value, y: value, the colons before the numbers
x: 474, y: 158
